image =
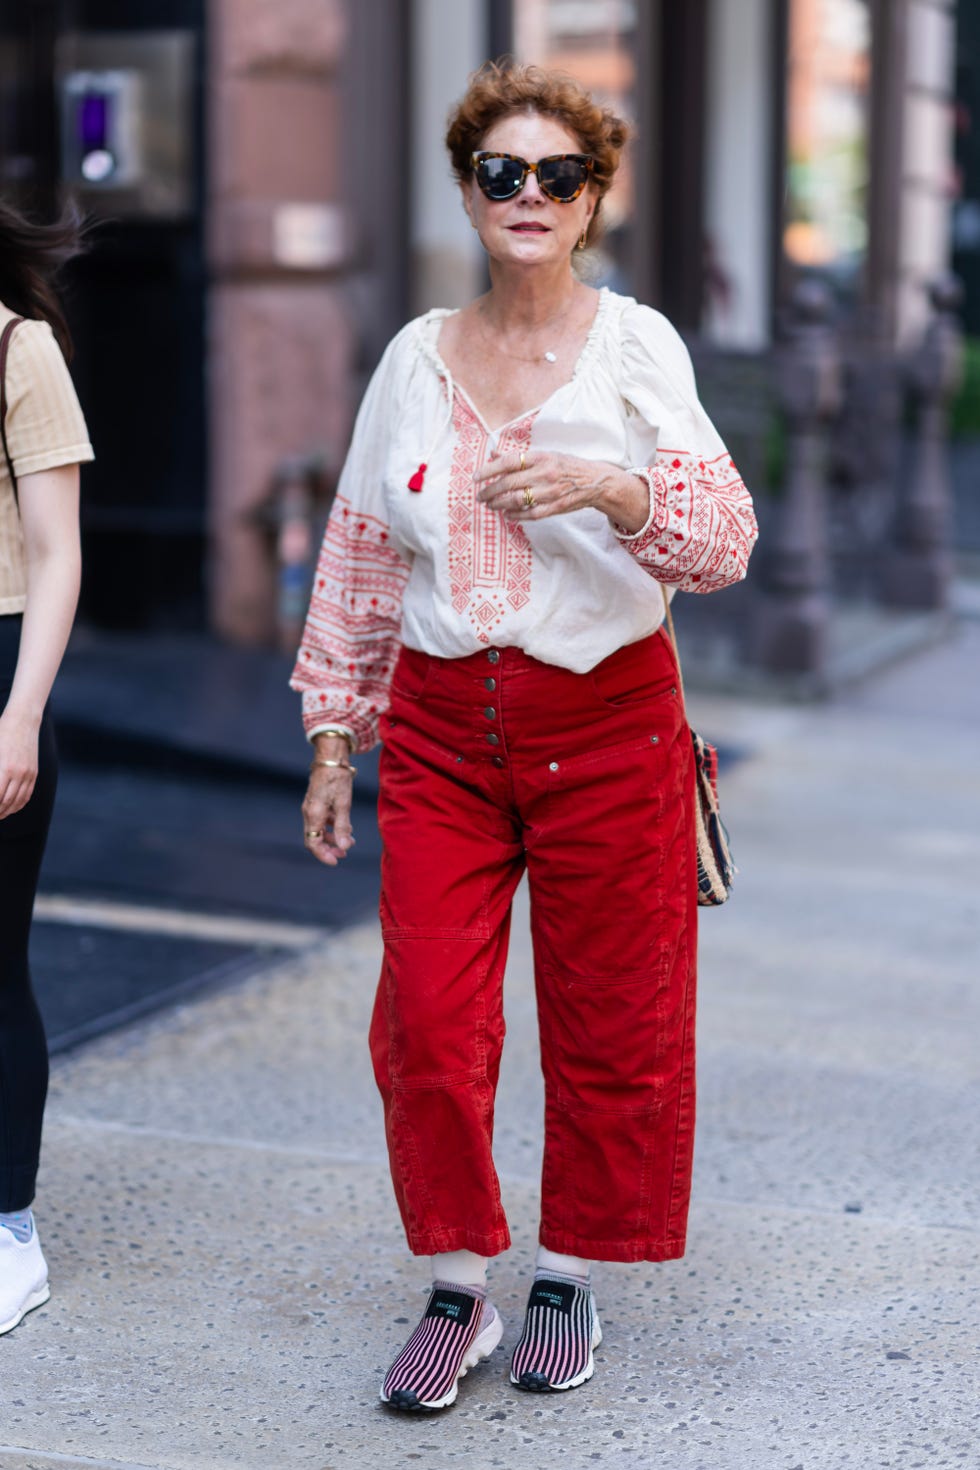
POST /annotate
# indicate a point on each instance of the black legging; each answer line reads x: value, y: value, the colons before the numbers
x: 23, y: 1048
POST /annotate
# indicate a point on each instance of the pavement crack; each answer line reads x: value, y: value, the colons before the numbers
x: 216, y: 1140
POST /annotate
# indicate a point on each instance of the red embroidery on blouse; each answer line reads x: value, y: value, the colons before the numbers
x: 351, y: 638
x: 708, y: 512
x: 489, y: 558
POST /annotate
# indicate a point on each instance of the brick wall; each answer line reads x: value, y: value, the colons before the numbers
x: 279, y: 241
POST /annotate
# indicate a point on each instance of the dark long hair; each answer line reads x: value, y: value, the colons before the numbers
x: 31, y: 255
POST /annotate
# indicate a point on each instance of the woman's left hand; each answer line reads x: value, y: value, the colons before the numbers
x: 18, y: 763
x: 534, y: 485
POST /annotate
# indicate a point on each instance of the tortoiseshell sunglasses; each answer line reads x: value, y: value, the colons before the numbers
x: 562, y: 176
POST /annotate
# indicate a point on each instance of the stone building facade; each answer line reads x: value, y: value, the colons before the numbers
x: 775, y: 140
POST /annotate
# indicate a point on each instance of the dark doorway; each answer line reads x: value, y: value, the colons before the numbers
x: 136, y: 303
x: 966, y: 215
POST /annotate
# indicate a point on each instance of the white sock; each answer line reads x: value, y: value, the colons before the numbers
x: 461, y: 1268
x: 551, y: 1263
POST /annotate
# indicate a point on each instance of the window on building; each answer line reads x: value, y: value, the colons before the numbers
x: 825, y: 224
x: 594, y: 41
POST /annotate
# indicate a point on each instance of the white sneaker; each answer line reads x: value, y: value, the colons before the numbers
x: 23, y: 1278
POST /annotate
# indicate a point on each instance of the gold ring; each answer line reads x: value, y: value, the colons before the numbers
x: 314, y: 832
x: 529, y: 500
x: 523, y: 461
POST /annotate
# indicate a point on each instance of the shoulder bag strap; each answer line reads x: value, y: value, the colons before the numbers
x: 8, y: 332
x: 669, y: 619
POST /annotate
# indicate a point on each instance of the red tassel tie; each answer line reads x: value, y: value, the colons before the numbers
x: 418, y: 479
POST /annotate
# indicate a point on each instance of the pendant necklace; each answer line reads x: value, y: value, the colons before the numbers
x: 549, y: 356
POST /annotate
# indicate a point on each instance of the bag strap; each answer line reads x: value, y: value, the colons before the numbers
x: 8, y: 332
x: 669, y: 619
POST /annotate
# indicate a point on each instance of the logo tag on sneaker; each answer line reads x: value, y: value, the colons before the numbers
x: 555, y: 1294
x: 456, y: 1305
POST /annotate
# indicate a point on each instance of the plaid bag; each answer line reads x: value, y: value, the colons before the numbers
x: 716, y: 868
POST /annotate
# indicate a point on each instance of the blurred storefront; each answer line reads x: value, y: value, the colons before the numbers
x: 290, y: 205
x: 102, y: 99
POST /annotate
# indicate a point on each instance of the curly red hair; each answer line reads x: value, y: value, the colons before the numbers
x: 499, y: 90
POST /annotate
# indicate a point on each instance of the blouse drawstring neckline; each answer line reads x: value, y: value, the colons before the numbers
x: 428, y: 350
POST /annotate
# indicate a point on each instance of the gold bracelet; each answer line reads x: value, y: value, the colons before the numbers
x: 338, y: 735
x: 337, y: 765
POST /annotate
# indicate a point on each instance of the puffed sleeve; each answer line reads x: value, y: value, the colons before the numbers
x: 701, y: 527
x: 352, y: 634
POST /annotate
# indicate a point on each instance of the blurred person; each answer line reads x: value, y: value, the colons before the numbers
x: 525, y: 476
x: 44, y: 442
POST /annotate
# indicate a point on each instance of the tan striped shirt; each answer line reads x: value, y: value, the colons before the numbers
x: 45, y: 428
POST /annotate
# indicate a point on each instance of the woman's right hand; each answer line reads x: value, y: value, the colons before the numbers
x: 327, y: 830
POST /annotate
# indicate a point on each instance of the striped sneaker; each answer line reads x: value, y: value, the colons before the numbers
x: 457, y: 1330
x: 561, y: 1327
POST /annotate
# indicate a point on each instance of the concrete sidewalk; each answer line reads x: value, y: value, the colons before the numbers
x: 228, y: 1275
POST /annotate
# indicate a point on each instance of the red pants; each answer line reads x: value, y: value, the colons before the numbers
x: 493, y: 764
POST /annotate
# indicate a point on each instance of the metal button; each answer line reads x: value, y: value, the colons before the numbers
x: 493, y: 656
x: 553, y: 766
x: 498, y: 760
x: 654, y: 739
x: 493, y: 739
x: 490, y: 684
x: 490, y: 712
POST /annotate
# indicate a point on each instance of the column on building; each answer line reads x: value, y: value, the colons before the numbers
x: 448, y: 43
x: 927, y: 160
x: 738, y: 167
x: 280, y: 342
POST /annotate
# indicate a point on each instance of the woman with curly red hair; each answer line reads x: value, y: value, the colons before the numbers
x: 526, y: 476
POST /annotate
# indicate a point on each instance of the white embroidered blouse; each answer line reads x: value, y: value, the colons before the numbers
x: 436, y: 570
